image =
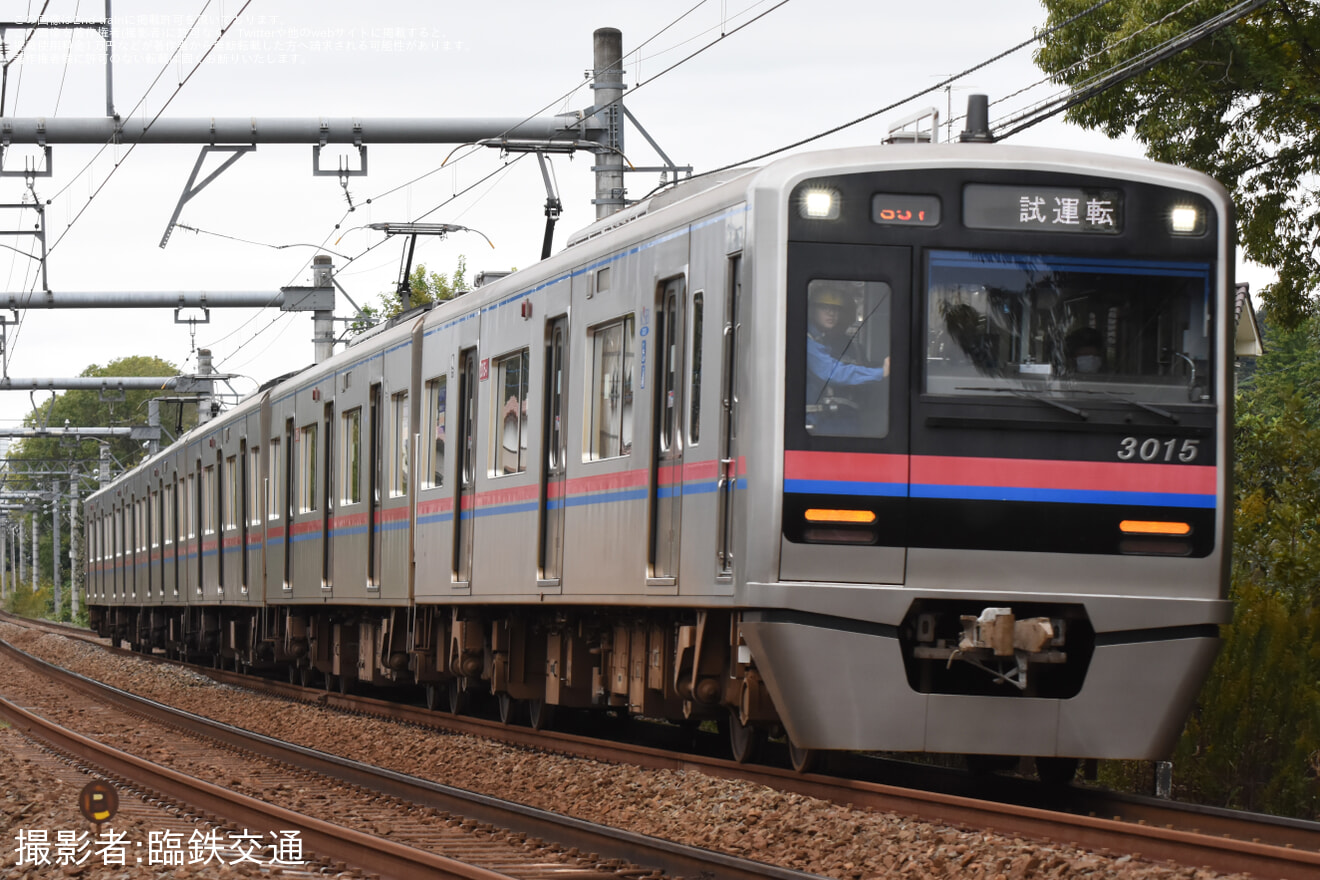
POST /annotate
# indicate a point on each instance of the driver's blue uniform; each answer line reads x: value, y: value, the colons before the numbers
x: 824, y: 368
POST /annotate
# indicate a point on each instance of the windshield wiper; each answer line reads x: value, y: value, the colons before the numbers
x: 1150, y: 408
x: 1081, y: 414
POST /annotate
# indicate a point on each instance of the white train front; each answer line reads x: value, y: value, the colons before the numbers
x: 906, y: 448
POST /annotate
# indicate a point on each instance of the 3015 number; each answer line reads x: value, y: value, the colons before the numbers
x: 1155, y: 449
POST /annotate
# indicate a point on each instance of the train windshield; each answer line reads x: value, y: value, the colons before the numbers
x: 1057, y: 326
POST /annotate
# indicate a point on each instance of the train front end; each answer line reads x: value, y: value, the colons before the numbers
x: 995, y: 429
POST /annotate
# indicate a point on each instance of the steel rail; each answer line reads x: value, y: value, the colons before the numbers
x: 671, y: 858
x: 322, y: 838
x: 1207, y: 845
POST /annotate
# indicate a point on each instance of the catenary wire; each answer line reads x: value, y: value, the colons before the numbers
x: 871, y: 115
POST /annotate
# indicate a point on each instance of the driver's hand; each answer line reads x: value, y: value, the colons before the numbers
x: 886, y: 366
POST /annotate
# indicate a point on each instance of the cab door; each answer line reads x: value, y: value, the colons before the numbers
x: 846, y: 444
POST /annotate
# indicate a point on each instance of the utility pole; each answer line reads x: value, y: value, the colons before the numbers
x: 5, y: 577
x: 75, y: 556
x: 36, y: 518
x: 55, y: 515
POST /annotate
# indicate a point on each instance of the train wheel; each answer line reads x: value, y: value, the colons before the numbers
x: 305, y: 676
x: 432, y: 696
x: 293, y: 674
x: 1056, y: 771
x: 540, y: 714
x: 744, y: 741
x: 803, y: 760
x: 330, y: 681
x: 508, y: 706
x: 345, y: 684
x: 457, y: 699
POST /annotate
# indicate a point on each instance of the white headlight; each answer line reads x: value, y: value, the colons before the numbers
x: 820, y: 204
x: 1185, y: 220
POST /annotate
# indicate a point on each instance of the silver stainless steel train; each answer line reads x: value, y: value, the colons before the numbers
x: 906, y: 448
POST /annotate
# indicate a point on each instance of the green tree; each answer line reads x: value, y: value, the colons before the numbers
x: 1254, y: 741
x: 1242, y: 105
x: 427, y: 287
x: 31, y: 460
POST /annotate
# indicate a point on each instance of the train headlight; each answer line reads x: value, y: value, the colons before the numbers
x: 1186, y: 220
x: 820, y: 204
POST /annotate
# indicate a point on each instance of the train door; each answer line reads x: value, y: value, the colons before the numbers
x: 555, y: 463
x: 846, y: 438
x: 327, y: 479
x: 728, y: 481
x: 667, y: 446
x: 375, y: 425
x: 287, y: 507
x: 465, y: 485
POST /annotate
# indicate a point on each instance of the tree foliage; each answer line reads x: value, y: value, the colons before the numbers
x: 1254, y: 741
x: 427, y: 287
x: 32, y: 460
x: 1242, y: 105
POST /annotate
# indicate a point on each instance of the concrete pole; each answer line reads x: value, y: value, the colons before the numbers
x: 607, y: 57
x: 76, y: 578
x: 18, y: 553
x: 56, y: 514
x: 103, y: 475
x: 323, y: 320
x: 5, y: 577
x: 36, y: 518
x: 204, y: 399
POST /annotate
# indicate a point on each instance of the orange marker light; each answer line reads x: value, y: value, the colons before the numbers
x: 1140, y: 527
x: 840, y: 516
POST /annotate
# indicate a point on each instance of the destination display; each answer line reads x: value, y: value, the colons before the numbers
x: 902, y: 209
x: 1043, y: 208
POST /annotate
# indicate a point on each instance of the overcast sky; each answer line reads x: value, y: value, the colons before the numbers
x: 802, y: 68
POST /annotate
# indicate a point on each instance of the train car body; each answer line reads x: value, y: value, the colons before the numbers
x: 913, y: 448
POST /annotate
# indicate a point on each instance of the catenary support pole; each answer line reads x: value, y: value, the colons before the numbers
x: 76, y: 578
x: 56, y: 514
x: 607, y: 82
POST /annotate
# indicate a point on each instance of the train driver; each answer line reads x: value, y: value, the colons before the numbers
x: 1086, y: 352
x: 835, y: 378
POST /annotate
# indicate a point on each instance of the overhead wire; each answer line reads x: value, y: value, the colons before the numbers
x: 1139, y: 64
x: 21, y: 321
x: 556, y: 101
x: 896, y: 104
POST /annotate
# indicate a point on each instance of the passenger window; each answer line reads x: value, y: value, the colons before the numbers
x: 231, y: 493
x: 307, y: 469
x: 609, y: 410
x: 399, y: 458
x: 208, y: 500
x: 510, y: 414
x: 253, y: 512
x: 435, y: 428
x: 351, y: 466
x: 276, y: 469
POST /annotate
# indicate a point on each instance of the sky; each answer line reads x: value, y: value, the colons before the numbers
x: 801, y: 68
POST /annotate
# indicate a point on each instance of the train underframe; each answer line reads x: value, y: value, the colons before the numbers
x: 679, y: 665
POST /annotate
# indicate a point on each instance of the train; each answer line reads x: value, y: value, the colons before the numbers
x: 905, y: 448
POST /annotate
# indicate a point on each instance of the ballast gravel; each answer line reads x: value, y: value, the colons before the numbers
x: 739, y: 818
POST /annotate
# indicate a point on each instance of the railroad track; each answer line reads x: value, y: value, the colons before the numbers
x: 1219, y: 839
x: 418, y: 828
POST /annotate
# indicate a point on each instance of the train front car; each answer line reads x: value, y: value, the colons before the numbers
x: 1003, y: 489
